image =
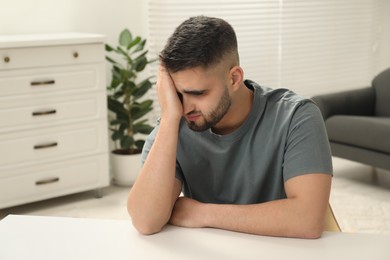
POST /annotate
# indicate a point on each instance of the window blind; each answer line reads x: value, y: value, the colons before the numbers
x: 311, y: 47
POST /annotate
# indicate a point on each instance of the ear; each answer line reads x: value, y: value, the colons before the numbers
x: 236, y: 75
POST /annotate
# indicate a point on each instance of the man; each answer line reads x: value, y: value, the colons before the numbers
x: 248, y: 158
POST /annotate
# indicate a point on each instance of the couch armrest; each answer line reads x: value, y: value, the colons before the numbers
x: 350, y: 102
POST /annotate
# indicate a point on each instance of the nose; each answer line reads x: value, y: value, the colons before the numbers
x: 188, y: 106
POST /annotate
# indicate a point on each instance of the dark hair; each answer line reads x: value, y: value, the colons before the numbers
x: 199, y: 41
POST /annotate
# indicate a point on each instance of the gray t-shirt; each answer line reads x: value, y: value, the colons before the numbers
x: 284, y: 136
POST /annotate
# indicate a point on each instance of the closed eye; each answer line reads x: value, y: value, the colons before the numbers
x: 195, y: 92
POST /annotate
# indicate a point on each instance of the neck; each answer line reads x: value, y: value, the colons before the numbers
x: 238, y: 112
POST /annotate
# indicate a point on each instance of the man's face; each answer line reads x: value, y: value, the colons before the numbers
x: 205, y: 96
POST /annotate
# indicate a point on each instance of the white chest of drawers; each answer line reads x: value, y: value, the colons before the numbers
x: 53, y: 126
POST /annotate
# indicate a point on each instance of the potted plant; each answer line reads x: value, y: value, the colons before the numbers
x: 127, y: 120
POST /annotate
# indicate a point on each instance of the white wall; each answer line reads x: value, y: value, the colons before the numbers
x: 384, y: 45
x: 93, y: 16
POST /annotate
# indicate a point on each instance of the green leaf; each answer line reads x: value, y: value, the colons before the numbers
x: 140, y: 46
x: 115, y: 83
x: 140, y: 56
x: 116, y: 107
x: 138, y: 113
x: 135, y: 110
x: 142, y: 128
x: 119, y: 122
x: 152, y: 60
x: 140, y: 64
x: 130, y: 87
x: 108, y: 48
x: 116, y: 135
x: 111, y: 60
x: 142, y: 88
x: 123, y: 127
x: 146, y: 104
x: 127, y: 142
x: 118, y: 94
x: 134, y: 42
x: 116, y: 70
x: 124, y: 53
x: 143, y: 121
x: 139, y: 144
x: 125, y: 38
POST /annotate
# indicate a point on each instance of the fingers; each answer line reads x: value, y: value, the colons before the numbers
x: 163, y: 76
x: 167, y: 95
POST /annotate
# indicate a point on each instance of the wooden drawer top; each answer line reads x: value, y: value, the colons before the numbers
x: 37, y: 40
x: 49, y: 56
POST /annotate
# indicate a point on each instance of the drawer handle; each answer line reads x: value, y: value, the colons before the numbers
x: 43, y: 82
x: 7, y: 59
x: 75, y: 54
x: 47, y: 181
x: 44, y: 113
x: 44, y: 146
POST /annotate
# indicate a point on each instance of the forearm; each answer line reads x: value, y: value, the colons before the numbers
x: 285, y: 218
x: 301, y: 214
x: 151, y: 199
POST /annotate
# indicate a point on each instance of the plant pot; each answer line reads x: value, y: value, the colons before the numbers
x: 125, y: 168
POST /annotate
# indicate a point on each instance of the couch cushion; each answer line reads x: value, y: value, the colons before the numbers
x: 381, y: 84
x: 366, y: 132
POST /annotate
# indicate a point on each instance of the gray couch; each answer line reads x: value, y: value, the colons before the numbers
x: 358, y: 122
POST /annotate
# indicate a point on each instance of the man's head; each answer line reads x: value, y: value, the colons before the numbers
x: 200, y: 42
x: 202, y: 58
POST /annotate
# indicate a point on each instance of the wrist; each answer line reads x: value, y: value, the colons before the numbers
x: 170, y: 119
x: 205, y: 214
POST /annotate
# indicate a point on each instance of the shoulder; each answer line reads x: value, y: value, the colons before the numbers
x: 277, y: 95
x: 281, y: 101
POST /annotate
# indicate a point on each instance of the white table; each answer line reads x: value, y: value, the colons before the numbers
x: 29, y: 237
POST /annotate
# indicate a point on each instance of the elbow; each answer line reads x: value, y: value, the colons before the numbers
x: 145, y: 222
x: 311, y: 231
x: 306, y: 234
x: 145, y: 225
x: 312, y: 234
x: 306, y: 228
x: 146, y: 228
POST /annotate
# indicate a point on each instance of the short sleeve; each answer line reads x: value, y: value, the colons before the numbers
x: 307, y: 149
x: 148, y: 144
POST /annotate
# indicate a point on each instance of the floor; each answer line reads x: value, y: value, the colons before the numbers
x: 359, y: 198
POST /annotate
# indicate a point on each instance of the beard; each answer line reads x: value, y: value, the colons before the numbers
x: 213, y: 117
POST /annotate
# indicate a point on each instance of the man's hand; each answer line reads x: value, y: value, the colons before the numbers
x: 187, y: 213
x: 167, y: 95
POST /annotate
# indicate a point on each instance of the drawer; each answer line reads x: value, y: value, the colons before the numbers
x: 34, y: 82
x: 27, y: 113
x: 32, y: 57
x: 45, y: 144
x: 56, y: 179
